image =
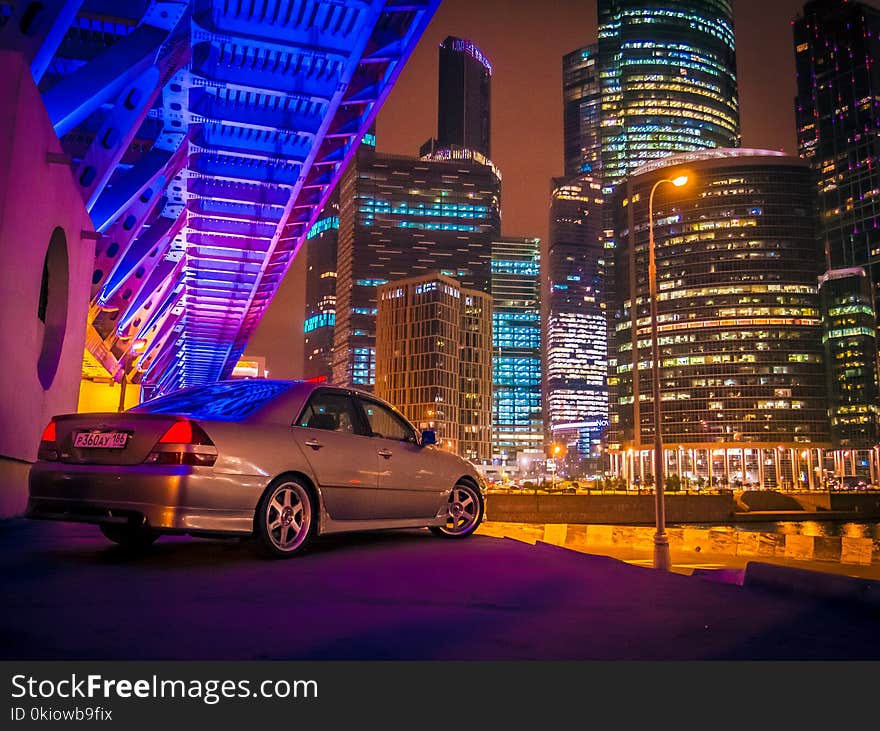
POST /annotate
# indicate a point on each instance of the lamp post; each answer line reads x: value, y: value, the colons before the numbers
x: 661, y: 540
x: 137, y: 346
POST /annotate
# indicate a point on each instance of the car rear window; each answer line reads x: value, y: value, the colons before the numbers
x: 218, y: 401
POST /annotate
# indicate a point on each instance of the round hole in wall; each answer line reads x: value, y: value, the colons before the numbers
x: 52, y: 307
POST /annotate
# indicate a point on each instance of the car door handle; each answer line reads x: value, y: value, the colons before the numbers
x: 314, y: 444
x: 386, y: 453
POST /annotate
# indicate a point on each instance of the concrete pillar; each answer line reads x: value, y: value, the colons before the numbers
x: 852, y: 461
x: 761, y: 467
x: 727, y: 464
x: 711, y: 462
x: 678, y: 461
x: 811, y: 477
x: 776, y: 465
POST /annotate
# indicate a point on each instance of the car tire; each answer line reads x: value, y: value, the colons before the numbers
x: 129, y: 536
x: 286, y: 519
x: 464, y: 514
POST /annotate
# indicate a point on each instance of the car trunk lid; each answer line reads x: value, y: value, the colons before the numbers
x: 125, y: 438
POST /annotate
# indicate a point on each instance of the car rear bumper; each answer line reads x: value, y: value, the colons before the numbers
x: 174, y: 499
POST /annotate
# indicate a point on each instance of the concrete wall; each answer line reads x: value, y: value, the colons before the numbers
x: 615, y: 509
x: 37, y: 196
x: 719, y: 541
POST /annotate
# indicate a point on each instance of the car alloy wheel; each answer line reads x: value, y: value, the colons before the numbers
x: 285, y: 515
x: 464, y: 512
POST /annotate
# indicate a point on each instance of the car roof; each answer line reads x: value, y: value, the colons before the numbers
x: 280, y: 408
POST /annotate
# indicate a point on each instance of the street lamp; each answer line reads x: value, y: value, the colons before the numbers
x: 557, y: 450
x: 661, y: 540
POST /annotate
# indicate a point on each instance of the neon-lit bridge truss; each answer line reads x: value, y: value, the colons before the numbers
x: 205, y: 136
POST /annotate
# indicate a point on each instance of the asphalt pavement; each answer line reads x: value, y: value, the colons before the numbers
x: 68, y: 594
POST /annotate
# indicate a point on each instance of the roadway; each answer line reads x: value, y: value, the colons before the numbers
x: 406, y: 595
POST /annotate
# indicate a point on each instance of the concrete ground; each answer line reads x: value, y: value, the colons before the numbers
x: 68, y: 594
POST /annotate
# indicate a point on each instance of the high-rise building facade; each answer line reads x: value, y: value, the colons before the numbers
x: 582, y: 105
x: 401, y: 217
x: 433, y: 359
x: 320, y: 284
x: 575, y: 351
x: 837, y: 52
x: 517, y: 420
x: 668, y: 77
x: 849, y: 333
x: 740, y: 340
x: 464, y: 101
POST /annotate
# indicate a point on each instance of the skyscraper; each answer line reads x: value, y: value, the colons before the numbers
x: 401, y: 217
x: 320, y: 251
x: 837, y: 52
x: 433, y: 359
x: 582, y: 104
x: 463, y: 108
x: 668, y: 77
x: 575, y: 361
x: 849, y: 333
x: 740, y: 340
x: 517, y: 420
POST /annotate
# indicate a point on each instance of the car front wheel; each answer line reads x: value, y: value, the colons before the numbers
x: 464, y: 512
x: 131, y: 537
x: 285, y: 521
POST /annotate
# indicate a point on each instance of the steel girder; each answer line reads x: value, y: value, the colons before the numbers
x: 206, y: 137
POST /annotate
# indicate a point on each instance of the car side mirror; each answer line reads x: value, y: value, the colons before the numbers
x: 429, y: 436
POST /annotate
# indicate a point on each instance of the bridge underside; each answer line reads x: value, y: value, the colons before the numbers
x: 204, y: 137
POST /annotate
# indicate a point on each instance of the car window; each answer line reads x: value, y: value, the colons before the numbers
x: 385, y: 423
x: 331, y: 412
x: 221, y: 401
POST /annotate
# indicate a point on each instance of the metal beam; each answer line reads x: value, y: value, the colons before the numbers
x: 77, y: 96
x: 37, y: 29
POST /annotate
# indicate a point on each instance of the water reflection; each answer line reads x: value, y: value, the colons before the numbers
x: 824, y: 528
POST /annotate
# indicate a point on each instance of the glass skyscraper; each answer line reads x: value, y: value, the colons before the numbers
x: 401, y: 217
x: 575, y: 362
x: 320, y: 315
x: 837, y: 52
x: 741, y: 359
x: 517, y: 421
x: 849, y: 333
x: 668, y: 77
x: 464, y: 101
x: 582, y: 103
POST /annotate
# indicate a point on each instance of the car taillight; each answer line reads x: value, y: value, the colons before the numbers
x: 184, y: 443
x: 49, y: 432
x: 48, y: 450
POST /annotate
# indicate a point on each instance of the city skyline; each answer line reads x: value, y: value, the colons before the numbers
x: 527, y: 144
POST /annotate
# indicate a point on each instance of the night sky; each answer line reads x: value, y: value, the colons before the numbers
x: 525, y: 41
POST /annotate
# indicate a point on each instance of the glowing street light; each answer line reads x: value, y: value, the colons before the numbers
x: 138, y: 346
x: 661, y: 540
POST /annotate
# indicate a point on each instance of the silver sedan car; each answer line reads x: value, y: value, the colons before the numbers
x: 281, y: 460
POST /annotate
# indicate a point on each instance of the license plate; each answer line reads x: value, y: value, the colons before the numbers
x: 100, y: 439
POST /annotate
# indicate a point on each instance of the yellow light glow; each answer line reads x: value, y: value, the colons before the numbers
x: 680, y: 181
x: 138, y: 346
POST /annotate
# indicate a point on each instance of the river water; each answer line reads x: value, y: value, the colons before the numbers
x: 826, y: 528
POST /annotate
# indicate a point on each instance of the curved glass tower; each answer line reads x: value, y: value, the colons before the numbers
x: 668, y: 80
x: 739, y: 332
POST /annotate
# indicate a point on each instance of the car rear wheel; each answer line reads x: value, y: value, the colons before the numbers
x: 130, y: 536
x: 285, y: 521
x: 464, y: 513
